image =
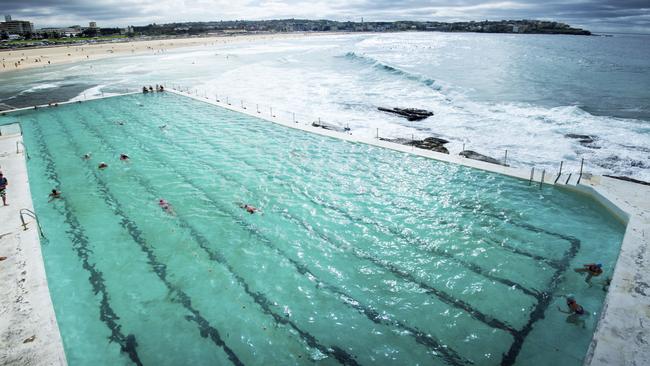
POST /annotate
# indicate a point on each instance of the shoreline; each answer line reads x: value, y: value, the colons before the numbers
x: 43, y: 57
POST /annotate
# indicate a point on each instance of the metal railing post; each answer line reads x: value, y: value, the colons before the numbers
x: 257, y: 106
x: 582, y: 162
x: 560, y: 173
x: 532, y: 173
x: 242, y: 104
x: 505, y: 158
x: 377, y: 134
x: 541, y: 181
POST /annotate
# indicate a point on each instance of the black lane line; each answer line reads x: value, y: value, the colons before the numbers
x: 468, y: 265
x: 448, y: 354
x: 551, y: 262
x: 402, y: 274
x: 338, y: 353
x: 422, y: 244
x: 546, y: 296
x: 206, y: 330
x: 80, y: 244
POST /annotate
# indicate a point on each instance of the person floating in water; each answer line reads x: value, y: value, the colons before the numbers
x: 576, y: 312
x: 592, y: 270
x: 162, y: 127
x: 166, y: 206
x: 124, y: 157
x: 250, y: 209
x: 102, y: 165
x: 87, y: 156
x: 54, y: 195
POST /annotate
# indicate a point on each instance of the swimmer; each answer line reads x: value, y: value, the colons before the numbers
x: 574, y: 307
x: 54, y: 195
x: 592, y: 270
x: 102, y: 165
x: 124, y: 157
x: 166, y: 206
x: 87, y: 156
x: 162, y: 127
x: 250, y: 209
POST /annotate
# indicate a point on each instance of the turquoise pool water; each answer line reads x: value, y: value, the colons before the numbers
x: 360, y: 255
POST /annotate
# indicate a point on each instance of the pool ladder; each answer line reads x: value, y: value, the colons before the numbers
x: 27, y: 212
x: 18, y: 143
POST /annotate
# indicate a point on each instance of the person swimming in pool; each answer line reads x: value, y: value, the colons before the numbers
x: 102, y: 165
x: 87, y: 156
x: 124, y: 157
x: 592, y: 270
x: 166, y: 206
x: 576, y: 312
x: 54, y: 195
x: 250, y: 209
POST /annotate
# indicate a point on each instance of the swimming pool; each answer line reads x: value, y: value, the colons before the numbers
x: 360, y: 255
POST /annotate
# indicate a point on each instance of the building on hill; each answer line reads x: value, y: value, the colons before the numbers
x: 20, y: 27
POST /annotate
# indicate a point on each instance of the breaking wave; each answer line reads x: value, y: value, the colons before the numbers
x: 393, y: 70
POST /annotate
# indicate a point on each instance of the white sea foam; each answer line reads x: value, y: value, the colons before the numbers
x: 343, y: 79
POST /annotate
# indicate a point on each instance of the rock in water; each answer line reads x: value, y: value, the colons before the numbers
x: 476, y: 156
x: 411, y: 114
x: 584, y: 140
x: 429, y: 143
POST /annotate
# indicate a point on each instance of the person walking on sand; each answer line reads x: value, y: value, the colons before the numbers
x: 3, y: 186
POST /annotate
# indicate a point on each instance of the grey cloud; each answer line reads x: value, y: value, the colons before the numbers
x: 624, y: 15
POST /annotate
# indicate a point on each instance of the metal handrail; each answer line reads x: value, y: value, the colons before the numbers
x: 24, y: 149
x: 27, y: 212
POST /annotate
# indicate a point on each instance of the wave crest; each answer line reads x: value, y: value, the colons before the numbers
x: 393, y: 70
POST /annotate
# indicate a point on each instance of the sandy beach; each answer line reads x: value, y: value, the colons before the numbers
x: 21, y: 59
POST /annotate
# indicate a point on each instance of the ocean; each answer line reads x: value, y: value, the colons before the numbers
x: 489, y: 92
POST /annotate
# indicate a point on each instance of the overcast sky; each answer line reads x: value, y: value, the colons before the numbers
x: 595, y: 15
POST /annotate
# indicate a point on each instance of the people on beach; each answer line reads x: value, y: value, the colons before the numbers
x: 592, y: 270
x: 124, y: 157
x: 3, y: 187
x: 166, y: 206
x: 102, y: 165
x: 250, y: 209
x: 54, y: 195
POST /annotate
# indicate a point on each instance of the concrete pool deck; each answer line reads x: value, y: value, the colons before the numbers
x: 29, y: 334
x: 622, y: 336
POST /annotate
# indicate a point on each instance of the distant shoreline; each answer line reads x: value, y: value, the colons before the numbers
x: 47, y: 56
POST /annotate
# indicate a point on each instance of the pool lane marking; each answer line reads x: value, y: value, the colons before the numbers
x: 206, y: 330
x: 448, y: 354
x: 539, y: 310
x: 128, y: 343
x: 339, y: 354
x: 472, y: 267
x: 468, y: 265
x: 544, y: 297
x: 495, y: 323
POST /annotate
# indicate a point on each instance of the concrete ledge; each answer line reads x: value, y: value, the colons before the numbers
x: 29, y: 333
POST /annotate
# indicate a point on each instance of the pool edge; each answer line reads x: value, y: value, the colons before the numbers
x: 621, y: 335
x: 29, y: 309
